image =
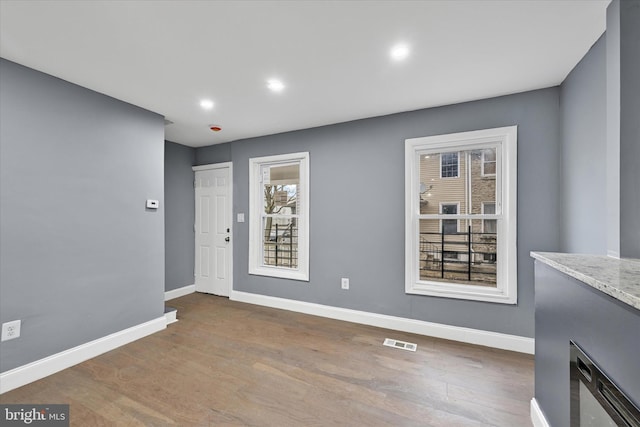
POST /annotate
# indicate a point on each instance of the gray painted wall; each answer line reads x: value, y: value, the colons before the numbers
x: 612, y: 197
x: 630, y: 129
x: 623, y: 128
x: 583, y: 112
x: 81, y: 257
x: 600, y: 100
x: 179, y: 214
x: 219, y: 153
x: 357, y: 208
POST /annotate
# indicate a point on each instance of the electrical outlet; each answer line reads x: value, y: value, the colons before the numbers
x: 345, y: 283
x: 11, y: 330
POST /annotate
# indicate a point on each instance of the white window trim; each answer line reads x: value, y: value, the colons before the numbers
x: 482, y: 162
x: 449, y: 177
x: 505, y: 140
x: 457, y: 210
x: 256, y: 265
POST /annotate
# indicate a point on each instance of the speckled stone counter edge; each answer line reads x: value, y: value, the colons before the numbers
x: 619, y: 278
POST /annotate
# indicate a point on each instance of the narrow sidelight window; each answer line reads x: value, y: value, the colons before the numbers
x: 279, y: 216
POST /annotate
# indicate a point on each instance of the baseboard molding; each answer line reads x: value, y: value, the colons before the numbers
x: 39, y: 369
x: 171, y: 314
x: 537, y: 417
x: 455, y: 333
x: 180, y: 292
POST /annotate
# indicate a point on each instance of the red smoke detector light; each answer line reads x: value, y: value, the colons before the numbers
x: 215, y: 128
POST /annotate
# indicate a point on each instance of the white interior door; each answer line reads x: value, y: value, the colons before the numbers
x: 213, y: 229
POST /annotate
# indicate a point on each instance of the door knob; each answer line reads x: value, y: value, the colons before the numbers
x: 227, y: 239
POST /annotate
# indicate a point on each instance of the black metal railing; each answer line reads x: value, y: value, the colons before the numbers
x: 467, y: 257
x: 281, y: 246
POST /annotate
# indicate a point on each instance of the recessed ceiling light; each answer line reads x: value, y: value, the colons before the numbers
x: 275, y: 85
x: 399, y: 52
x: 206, y: 104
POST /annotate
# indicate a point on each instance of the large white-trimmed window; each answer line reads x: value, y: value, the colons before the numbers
x: 461, y: 234
x: 279, y: 216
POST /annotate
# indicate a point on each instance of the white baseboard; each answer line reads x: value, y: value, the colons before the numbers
x: 171, y: 316
x: 537, y: 417
x: 180, y: 292
x: 613, y: 254
x: 39, y: 369
x: 455, y: 333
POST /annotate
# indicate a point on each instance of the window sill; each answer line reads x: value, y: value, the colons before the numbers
x: 465, y: 292
x: 280, y: 273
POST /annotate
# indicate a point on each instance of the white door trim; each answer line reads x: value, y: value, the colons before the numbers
x: 223, y: 165
x: 214, y: 166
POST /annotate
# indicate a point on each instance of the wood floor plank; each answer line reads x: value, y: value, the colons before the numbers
x: 226, y: 363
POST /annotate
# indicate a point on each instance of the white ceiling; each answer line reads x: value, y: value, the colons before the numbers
x: 333, y: 56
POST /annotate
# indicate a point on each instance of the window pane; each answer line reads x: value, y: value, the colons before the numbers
x: 280, y: 187
x: 489, y: 208
x: 449, y: 209
x: 467, y: 257
x: 483, y: 187
x: 490, y: 226
x: 280, y: 242
x: 489, y: 154
x: 281, y: 199
x: 468, y: 188
x: 490, y: 168
x: 449, y: 226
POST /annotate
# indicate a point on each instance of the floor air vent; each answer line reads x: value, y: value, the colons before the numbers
x: 400, y: 344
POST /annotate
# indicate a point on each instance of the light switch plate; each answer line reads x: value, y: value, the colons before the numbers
x: 152, y: 204
x: 240, y: 217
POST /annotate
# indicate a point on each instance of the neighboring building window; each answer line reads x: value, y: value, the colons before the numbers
x: 449, y: 165
x: 449, y: 226
x: 489, y: 162
x: 489, y: 225
x: 279, y: 216
x: 461, y: 234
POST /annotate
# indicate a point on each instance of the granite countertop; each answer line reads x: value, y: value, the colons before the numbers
x: 619, y: 278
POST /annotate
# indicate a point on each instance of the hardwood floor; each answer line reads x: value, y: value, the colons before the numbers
x: 230, y: 364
